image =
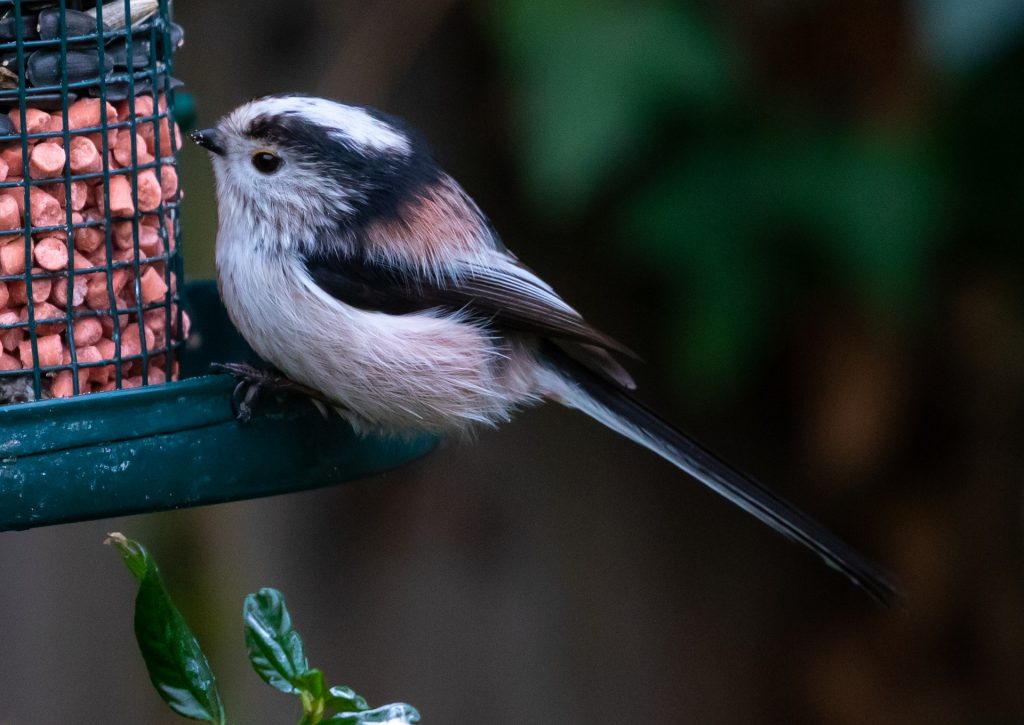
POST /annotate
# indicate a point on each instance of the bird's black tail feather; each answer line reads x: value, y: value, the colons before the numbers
x: 620, y: 411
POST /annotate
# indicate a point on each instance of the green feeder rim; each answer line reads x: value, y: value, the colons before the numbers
x: 177, y: 444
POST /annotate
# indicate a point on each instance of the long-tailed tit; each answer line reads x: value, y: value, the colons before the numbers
x: 353, y: 263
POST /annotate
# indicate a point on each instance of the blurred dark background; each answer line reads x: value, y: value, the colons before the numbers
x: 804, y: 214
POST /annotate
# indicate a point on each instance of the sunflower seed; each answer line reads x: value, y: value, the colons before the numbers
x: 78, y: 23
x: 141, y: 47
x: 118, y: 53
x: 9, y: 27
x: 120, y: 91
x: 44, y: 67
x: 177, y: 34
x: 114, y: 15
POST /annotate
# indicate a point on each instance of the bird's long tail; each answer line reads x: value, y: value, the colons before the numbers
x: 614, y: 407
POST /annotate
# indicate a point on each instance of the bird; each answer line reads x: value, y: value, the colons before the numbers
x: 352, y: 263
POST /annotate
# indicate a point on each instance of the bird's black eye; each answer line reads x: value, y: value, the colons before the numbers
x: 266, y: 162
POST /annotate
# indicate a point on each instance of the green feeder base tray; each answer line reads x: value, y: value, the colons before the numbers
x: 175, y: 445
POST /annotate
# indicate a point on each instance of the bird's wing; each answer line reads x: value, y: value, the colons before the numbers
x: 504, y: 293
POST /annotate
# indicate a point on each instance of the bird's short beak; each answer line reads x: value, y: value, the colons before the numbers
x: 210, y: 139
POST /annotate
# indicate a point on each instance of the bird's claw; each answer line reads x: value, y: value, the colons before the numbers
x: 253, y: 381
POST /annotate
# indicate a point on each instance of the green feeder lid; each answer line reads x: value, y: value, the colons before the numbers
x: 175, y: 445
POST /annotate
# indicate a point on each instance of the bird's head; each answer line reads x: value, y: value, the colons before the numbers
x: 299, y: 166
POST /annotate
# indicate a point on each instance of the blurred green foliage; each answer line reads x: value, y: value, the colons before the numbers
x: 729, y: 187
x: 864, y: 205
x: 959, y: 35
x: 594, y: 76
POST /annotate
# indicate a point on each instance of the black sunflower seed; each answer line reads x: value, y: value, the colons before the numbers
x: 120, y: 91
x: 78, y: 23
x: 9, y: 28
x: 142, y: 44
x: 44, y: 67
x: 177, y: 34
x: 118, y: 53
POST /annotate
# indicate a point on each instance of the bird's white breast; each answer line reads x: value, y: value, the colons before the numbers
x: 425, y: 371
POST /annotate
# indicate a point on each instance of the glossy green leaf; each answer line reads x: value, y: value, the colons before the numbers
x: 275, y: 648
x: 345, y: 699
x: 398, y: 712
x: 276, y: 653
x: 176, y: 664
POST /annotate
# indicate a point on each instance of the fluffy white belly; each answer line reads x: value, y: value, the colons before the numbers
x: 392, y: 372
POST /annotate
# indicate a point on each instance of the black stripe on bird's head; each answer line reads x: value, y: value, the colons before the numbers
x: 359, y: 164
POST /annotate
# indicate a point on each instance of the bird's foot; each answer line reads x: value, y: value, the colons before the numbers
x: 253, y: 382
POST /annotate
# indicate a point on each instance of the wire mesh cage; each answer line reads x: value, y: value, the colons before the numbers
x: 90, y: 263
x: 92, y: 298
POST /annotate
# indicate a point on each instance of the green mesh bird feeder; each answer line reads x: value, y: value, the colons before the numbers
x: 105, y: 405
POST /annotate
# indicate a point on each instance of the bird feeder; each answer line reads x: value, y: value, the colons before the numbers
x: 105, y: 404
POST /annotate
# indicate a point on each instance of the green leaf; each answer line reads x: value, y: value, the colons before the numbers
x: 275, y: 648
x: 397, y: 712
x: 311, y: 682
x: 176, y: 664
x: 276, y: 653
x: 311, y: 688
x: 345, y: 699
x: 134, y: 554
